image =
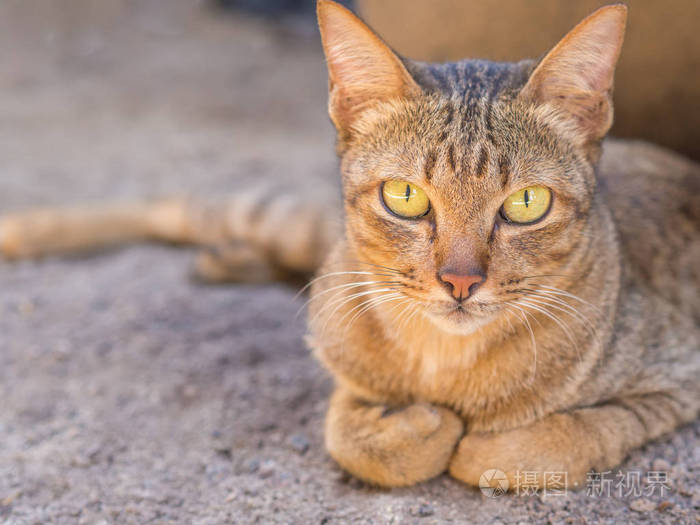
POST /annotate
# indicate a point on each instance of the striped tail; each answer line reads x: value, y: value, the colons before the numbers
x: 260, y: 234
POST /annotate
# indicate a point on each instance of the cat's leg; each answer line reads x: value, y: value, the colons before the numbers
x: 236, y: 261
x: 270, y: 234
x: 185, y: 221
x: 576, y: 442
x: 36, y: 233
x: 280, y: 231
x: 390, y: 447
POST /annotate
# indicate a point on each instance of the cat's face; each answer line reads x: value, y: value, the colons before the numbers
x: 465, y: 188
x: 469, y: 191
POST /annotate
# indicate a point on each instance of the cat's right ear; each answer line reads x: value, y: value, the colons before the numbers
x: 362, y: 70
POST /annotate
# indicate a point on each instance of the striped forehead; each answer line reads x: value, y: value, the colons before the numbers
x: 462, y: 148
x: 469, y: 89
x: 471, y: 79
x: 465, y: 134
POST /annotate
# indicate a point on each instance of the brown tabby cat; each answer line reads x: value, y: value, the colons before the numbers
x: 502, y: 296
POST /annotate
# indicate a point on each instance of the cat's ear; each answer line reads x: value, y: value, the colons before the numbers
x: 362, y: 70
x: 576, y: 77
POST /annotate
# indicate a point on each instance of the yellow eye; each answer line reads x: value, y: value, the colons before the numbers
x: 527, y: 205
x: 405, y: 199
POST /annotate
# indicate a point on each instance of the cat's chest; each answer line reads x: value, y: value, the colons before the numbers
x: 479, y: 383
x: 454, y: 376
x: 487, y: 392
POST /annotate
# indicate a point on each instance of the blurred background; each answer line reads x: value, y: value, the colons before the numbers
x: 130, y: 394
x: 118, y: 98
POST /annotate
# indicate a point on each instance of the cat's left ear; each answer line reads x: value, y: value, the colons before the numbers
x: 362, y: 70
x: 576, y: 77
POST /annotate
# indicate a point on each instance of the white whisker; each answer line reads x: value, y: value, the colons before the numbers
x: 532, y: 339
x: 344, y: 300
x: 386, y: 268
x: 344, y: 286
x: 559, y: 291
x: 409, y: 318
x: 332, y: 274
x: 406, y: 314
x: 557, y: 320
x: 368, y: 305
x: 566, y: 308
x: 340, y: 297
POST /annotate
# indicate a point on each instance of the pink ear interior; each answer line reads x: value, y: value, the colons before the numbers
x: 362, y: 69
x: 577, y: 75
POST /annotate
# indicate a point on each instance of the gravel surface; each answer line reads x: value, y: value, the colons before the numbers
x: 130, y: 394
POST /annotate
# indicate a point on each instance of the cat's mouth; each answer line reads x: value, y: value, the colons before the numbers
x: 458, y: 311
x: 461, y: 311
x: 465, y: 308
x: 459, y: 318
x: 459, y: 315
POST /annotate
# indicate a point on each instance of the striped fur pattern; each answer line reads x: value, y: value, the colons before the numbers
x: 260, y: 234
x: 581, y: 343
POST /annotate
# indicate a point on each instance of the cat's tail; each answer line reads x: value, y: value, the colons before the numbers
x: 256, y: 235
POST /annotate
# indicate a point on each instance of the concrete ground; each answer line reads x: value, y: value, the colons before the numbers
x: 128, y: 394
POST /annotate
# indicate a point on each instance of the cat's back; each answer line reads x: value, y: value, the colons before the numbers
x: 654, y: 196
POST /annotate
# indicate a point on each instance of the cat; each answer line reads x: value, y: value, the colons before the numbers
x: 501, y: 288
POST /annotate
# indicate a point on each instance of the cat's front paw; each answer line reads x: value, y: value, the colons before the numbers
x: 535, y: 456
x: 396, y: 447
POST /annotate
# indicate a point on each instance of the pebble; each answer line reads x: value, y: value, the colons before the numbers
x: 661, y: 465
x: 664, y: 506
x: 267, y: 426
x: 695, y: 501
x: 251, y: 465
x: 267, y: 469
x: 426, y: 509
x: 423, y: 510
x: 642, y: 505
x: 300, y: 443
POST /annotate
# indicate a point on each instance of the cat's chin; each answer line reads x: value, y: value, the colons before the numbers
x: 458, y: 321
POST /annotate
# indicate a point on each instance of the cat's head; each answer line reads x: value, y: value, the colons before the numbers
x: 469, y: 183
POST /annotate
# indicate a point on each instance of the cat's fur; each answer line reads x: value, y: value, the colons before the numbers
x: 582, y: 342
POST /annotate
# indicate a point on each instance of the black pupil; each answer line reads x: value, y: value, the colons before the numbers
x: 527, y: 199
x: 408, y: 192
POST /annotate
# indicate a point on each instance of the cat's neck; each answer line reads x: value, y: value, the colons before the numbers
x: 417, y: 334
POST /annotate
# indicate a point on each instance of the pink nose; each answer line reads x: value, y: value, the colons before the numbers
x: 462, y: 285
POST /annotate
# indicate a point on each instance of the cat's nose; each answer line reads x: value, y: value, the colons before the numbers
x: 463, y: 285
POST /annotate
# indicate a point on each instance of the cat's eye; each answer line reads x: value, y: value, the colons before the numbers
x: 527, y: 205
x: 405, y: 199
